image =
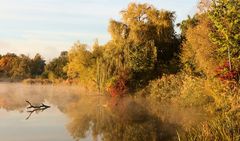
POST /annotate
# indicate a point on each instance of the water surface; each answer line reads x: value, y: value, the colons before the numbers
x: 78, y: 115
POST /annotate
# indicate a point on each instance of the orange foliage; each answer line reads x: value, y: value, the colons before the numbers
x: 118, y: 88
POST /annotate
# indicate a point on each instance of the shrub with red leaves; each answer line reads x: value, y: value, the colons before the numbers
x: 224, y: 73
x: 118, y: 87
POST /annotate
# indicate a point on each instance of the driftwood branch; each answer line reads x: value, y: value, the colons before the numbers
x: 37, y: 106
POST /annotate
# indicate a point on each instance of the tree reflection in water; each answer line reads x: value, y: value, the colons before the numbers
x: 36, y: 110
x: 121, y: 120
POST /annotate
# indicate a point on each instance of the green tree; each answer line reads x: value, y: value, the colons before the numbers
x: 56, y: 66
x: 225, y: 16
x: 38, y: 65
x: 99, y: 66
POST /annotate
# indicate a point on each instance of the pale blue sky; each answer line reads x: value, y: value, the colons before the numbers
x: 51, y: 26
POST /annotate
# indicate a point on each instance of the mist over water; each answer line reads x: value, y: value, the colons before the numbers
x: 76, y: 114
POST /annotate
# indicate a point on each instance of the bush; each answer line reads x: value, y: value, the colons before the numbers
x: 117, y: 86
x: 195, y: 93
x: 166, y: 88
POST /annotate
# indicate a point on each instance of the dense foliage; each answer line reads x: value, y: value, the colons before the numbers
x: 143, y: 45
x: 55, y: 68
x: 225, y: 18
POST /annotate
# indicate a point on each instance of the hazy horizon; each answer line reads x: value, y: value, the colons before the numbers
x: 51, y: 26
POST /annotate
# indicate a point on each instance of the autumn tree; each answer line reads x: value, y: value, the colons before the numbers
x: 16, y: 67
x: 190, y: 22
x: 80, y: 64
x: 22, y: 67
x: 143, y: 43
x: 148, y: 25
x: 198, y: 54
x: 143, y: 46
x: 7, y: 63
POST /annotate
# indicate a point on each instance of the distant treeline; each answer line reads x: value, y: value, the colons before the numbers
x: 22, y: 67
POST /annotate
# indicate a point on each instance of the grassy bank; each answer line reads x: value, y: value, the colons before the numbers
x: 219, y: 100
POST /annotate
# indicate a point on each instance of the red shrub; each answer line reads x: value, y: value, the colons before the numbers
x: 224, y: 73
x: 118, y: 87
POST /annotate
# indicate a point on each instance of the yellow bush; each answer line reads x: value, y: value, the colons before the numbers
x: 166, y: 88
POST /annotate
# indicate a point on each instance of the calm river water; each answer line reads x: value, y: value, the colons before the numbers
x: 78, y: 115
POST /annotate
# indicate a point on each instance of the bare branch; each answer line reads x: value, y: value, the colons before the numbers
x: 37, y: 107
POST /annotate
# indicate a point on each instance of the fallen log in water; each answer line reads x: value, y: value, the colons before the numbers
x: 42, y: 106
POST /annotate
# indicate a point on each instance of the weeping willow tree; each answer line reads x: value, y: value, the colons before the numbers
x: 146, y: 24
x: 142, y: 44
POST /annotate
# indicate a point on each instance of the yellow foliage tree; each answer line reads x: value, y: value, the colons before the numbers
x: 199, y: 54
x: 80, y: 64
